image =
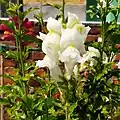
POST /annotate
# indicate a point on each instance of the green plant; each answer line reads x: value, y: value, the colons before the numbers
x: 75, y: 81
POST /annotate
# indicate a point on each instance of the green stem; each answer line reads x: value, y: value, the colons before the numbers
x: 63, y: 14
x: 67, y: 114
x: 19, y: 51
x: 21, y: 60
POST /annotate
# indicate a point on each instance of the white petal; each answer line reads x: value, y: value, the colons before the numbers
x: 69, y: 69
x: 72, y: 20
x: 71, y: 37
x: 75, y: 70
x: 70, y: 54
x: 51, y: 46
x: 82, y: 49
x: 54, y: 25
x: 70, y: 57
x: 42, y: 36
x: 82, y: 29
x: 94, y: 52
x: 88, y: 57
x: 99, y: 39
x: 46, y: 62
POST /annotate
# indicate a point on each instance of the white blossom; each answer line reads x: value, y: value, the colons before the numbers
x: 51, y: 45
x: 71, y: 37
x: 54, y: 25
x: 99, y: 39
x: 72, y: 20
x: 55, y: 71
x: 118, y: 64
x: 70, y: 57
x: 88, y: 58
x: 65, y: 45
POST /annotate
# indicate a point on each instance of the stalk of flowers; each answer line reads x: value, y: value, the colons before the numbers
x: 63, y: 44
x: 27, y: 26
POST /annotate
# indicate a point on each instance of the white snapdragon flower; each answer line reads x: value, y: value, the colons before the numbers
x: 118, y: 64
x: 82, y: 29
x: 99, y: 39
x: 54, y: 25
x: 71, y: 37
x: 51, y: 46
x: 70, y: 57
x: 46, y: 62
x: 41, y: 36
x: 88, y: 57
x: 55, y: 71
x: 93, y: 52
x: 72, y: 20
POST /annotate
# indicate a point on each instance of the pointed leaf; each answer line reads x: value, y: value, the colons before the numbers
x: 110, y: 17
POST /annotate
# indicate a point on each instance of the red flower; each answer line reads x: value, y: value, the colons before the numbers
x: 7, y: 37
x: 29, y: 24
x: 57, y: 95
x: 15, y: 20
x: 4, y: 28
x: 30, y: 33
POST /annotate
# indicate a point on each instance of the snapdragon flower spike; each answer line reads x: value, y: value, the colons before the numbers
x: 63, y: 44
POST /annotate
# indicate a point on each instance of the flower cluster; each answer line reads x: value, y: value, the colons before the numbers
x: 63, y: 43
x: 27, y: 27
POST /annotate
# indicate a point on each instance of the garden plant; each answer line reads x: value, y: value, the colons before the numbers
x: 76, y: 78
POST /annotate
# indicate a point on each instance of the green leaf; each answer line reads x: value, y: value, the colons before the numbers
x: 49, y: 101
x: 30, y: 38
x: 5, y: 89
x: 72, y: 107
x: 52, y: 111
x: 3, y: 101
x: 7, y: 76
x: 110, y: 17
